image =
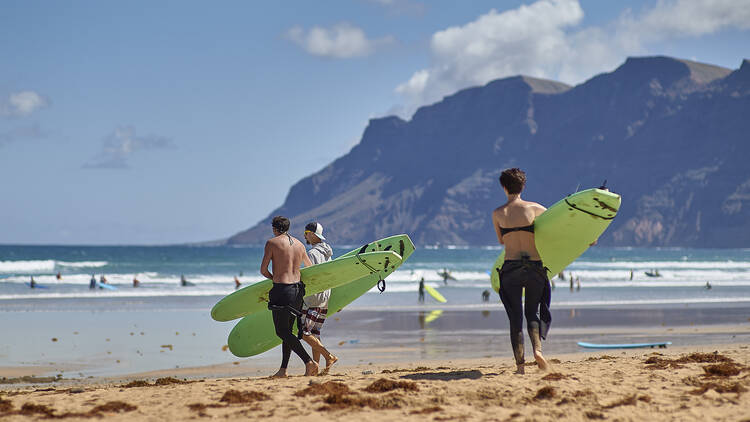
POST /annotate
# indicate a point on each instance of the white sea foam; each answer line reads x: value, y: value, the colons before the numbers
x: 26, y: 267
x: 648, y: 265
x: 82, y: 264
x: 45, y: 265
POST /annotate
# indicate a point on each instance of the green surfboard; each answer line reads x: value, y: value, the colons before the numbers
x: 567, y: 228
x: 317, y: 278
x: 255, y: 334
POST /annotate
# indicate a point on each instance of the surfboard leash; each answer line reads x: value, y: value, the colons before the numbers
x: 381, y: 282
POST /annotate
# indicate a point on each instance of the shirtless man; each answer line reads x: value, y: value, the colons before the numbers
x: 523, y: 268
x: 286, y: 254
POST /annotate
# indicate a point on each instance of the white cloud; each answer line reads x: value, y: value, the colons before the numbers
x: 118, y: 146
x: 340, y: 41
x: 22, y: 103
x: 544, y: 39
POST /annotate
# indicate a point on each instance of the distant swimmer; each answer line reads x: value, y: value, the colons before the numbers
x: 237, y: 283
x: 183, y: 281
x: 58, y: 276
x: 708, y: 285
x: 136, y: 282
x: 92, y: 282
x: 653, y: 273
x: 32, y: 283
x: 486, y: 296
x: 421, y: 290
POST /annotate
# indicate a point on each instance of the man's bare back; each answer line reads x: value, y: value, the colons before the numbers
x: 517, y: 213
x: 286, y: 254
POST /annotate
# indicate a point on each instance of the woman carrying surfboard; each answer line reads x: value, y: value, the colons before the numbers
x: 522, y: 268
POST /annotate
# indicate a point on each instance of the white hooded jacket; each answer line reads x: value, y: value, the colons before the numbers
x: 319, y: 253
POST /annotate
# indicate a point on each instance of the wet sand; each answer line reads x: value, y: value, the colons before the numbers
x: 693, y: 383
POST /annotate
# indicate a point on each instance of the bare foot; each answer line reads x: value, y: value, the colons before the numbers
x: 541, y: 361
x: 329, y: 363
x: 280, y: 374
x: 520, y: 370
x: 311, y: 368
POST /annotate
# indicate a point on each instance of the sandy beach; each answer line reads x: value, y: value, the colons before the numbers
x: 684, y: 383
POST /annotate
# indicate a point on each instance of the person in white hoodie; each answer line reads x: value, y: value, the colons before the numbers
x: 315, y: 307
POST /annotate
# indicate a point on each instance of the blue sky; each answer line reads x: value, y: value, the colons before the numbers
x: 162, y: 122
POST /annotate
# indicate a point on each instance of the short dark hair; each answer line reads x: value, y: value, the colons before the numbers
x: 280, y: 223
x: 513, y: 180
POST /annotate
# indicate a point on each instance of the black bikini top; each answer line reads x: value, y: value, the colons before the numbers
x: 529, y: 228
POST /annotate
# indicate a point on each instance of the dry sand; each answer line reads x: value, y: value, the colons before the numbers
x: 696, y: 383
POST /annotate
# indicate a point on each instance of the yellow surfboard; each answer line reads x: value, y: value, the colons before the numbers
x: 434, y: 293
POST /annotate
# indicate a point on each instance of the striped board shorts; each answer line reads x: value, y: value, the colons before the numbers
x: 312, y: 319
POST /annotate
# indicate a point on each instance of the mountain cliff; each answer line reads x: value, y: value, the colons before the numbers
x: 670, y: 135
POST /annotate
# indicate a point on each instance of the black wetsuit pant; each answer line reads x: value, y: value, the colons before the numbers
x: 287, y: 295
x: 515, y: 275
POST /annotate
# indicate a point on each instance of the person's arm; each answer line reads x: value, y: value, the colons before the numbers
x: 496, y: 224
x: 267, y: 256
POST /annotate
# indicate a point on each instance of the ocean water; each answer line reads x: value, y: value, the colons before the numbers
x: 67, y: 328
x: 604, y: 275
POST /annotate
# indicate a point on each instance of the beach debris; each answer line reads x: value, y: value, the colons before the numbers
x: 627, y: 401
x: 54, y: 339
x: 243, y: 397
x: 31, y: 409
x: 170, y: 380
x: 417, y: 369
x: 367, y: 372
x: 555, y: 376
x: 720, y: 387
x: 594, y: 415
x: 383, y: 385
x: 30, y: 379
x: 544, y: 393
x: 724, y: 369
x: 158, y: 382
x: 343, y: 401
x: 328, y: 387
x: 224, y: 348
x: 655, y: 362
x: 167, y: 346
x: 136, y: 383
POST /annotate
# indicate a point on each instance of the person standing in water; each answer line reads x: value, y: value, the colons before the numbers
x: 421, y: 290
x: 32, y: 283
x: 92, y: 282
x: 286, y: 255
x: 315, y: 307
x: 237, y: 283
x: 522, y: 269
